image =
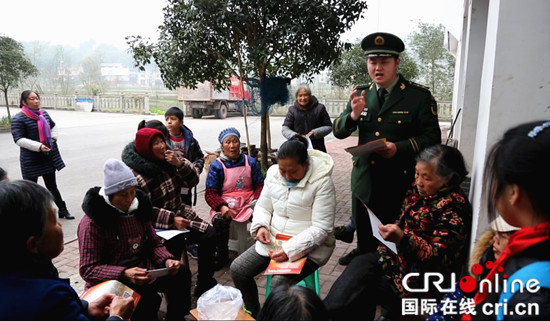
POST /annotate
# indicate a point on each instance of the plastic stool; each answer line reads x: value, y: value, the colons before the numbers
x: 239, y: 237
x: 311, y: 281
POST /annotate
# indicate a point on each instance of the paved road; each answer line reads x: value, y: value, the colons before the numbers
x: 86, y: 140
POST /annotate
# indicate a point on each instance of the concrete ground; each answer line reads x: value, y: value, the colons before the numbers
x: 88, y: 139
x: 67, y: 262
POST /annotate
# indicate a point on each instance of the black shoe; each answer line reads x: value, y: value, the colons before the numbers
x: 64, y: 213
x: 344, y: 260
x: 343, y: 234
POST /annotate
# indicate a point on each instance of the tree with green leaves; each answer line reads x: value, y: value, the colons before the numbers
x: 435, y: 61
x: 91, y: 74
x: 211, y: 40
x: 351, y: 69
x: 14, y: 66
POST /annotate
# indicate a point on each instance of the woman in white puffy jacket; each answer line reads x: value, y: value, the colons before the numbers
x: 299, y: 200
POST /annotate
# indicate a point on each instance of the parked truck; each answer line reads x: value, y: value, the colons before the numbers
x: 206, y: 101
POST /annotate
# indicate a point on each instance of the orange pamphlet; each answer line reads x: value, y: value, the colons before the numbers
x: 110, y: 286
x: 367, y: 147
x: 286, y: 267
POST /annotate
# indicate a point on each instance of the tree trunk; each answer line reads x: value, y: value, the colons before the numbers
x: 263, y: 140
x: 7, y: 105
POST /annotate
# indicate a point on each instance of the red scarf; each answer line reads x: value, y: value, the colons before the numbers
x: 518, y: 242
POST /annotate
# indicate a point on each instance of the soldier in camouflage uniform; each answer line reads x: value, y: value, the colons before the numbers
x: 402, y: 112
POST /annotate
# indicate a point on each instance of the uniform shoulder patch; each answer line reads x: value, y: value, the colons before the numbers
x: 364, y: 86
x: 414, y: 84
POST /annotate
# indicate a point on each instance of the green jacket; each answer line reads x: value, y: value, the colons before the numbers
x: 408, y: 118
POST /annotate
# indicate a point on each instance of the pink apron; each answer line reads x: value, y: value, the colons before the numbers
x: 237, y: 190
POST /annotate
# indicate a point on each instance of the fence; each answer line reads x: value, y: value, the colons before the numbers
x: 140, y: 104
x: 335, y: 107
x: 108, y: 103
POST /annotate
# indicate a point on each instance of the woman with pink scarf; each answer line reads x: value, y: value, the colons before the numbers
x: 34, y: 131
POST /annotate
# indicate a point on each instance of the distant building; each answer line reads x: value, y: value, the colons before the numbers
x: 115, y: 73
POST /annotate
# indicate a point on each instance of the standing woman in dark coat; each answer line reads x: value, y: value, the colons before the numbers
x: 34, y: 131
x: 307, y: 117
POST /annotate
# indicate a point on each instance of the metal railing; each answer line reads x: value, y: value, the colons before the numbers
x: 335, y: 107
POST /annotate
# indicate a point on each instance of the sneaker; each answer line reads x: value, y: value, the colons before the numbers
x: 193, y: 251
x: 344, y: 260
x: 343, y: 234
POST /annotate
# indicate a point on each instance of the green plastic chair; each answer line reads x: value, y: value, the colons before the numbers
x: 311, y: 281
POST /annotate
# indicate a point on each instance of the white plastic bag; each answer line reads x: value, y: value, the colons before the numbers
x: 221, y: 302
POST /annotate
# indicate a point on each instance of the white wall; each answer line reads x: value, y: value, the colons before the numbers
x: 509, y: 85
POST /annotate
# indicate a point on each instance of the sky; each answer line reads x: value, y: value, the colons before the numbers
x: 71, y: 22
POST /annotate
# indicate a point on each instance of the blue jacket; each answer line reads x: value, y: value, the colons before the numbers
x: 39, y: 294
x: 193, y: 151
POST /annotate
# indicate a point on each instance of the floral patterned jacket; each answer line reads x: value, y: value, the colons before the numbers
x: 436, y: 236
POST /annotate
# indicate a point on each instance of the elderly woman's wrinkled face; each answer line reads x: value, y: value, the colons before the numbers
x: 302, y: 97
x: 426, y: 179
x: 231, y: 147
x: 123, y: 199
x: 159, y: 147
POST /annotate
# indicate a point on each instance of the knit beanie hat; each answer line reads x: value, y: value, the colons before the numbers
x: 231, y: 131
x: 117, y: 177
x: 143, y: 140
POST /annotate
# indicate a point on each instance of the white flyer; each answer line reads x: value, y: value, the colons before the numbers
x: 157, y: 273
x: 374, y: 221
x: 168, y: 234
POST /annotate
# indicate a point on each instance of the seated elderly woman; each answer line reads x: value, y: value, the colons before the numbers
x: 161, y: 174
x: 117, y: 241
x: 298, y: 200
x: 234, y: 182
x: 431, y: 235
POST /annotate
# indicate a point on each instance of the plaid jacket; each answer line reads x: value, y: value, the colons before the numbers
x: 162, y: 182
x: 110, y: 242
